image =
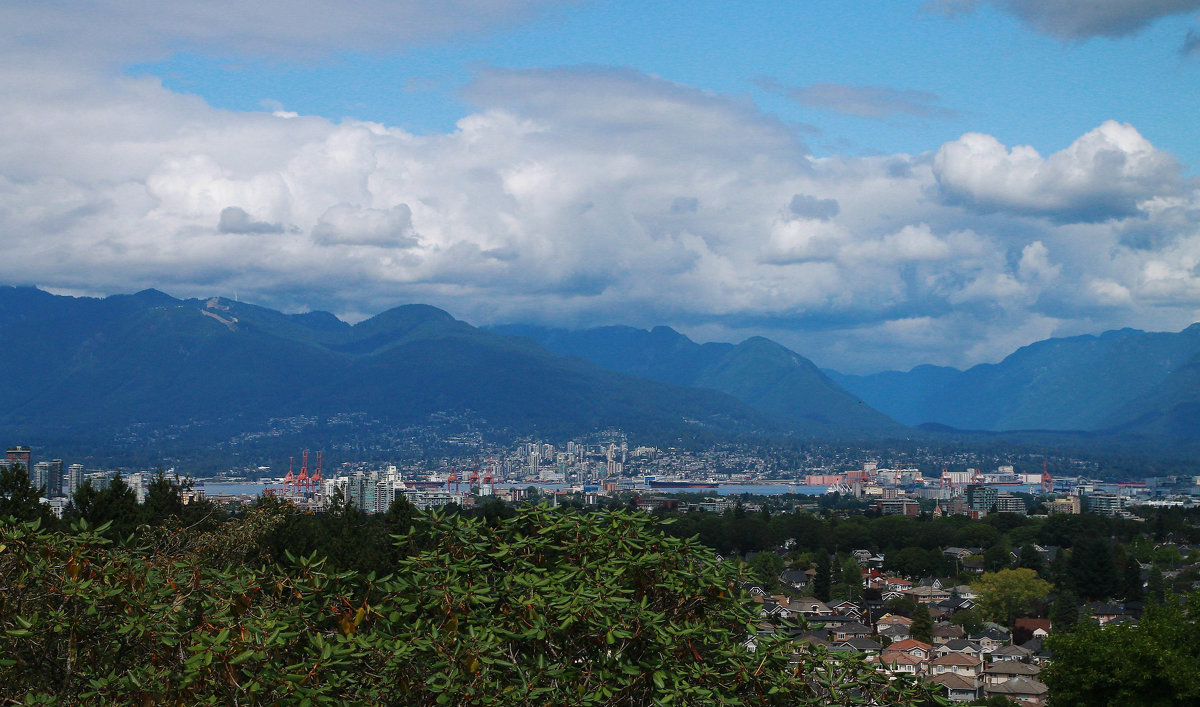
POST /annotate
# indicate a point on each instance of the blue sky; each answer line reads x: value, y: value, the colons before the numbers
x: 982, y: 71
x: 875, y: 184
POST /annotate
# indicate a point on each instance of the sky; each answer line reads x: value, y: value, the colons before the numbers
x: 874, y: 184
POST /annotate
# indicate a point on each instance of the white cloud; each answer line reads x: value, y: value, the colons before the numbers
x: 588, y: 196
x: 1035, y: 263
x: 234, y: 219
x: 1104, y: 174
x: 350, y: 225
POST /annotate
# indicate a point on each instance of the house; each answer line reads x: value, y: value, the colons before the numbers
x: 1004, y: 670
x: 1025, y: 690
x: 990, y: 640
x: 1032, y: 628
x: 894, y: 632
x: 958, y: 688
x: 926, y: 595
x: 795, y: 579
x: 862, y: 644
x: 1103, y: 612
x: 896, y: 628
x: 943, y: 633
x: 1011, y: 654
x: 911, y: 646
x: 847, y: 608
x: 1041, y: 656
x: 892, y: 620
x: 964, y: 591
x: 898, y: 662
x: 973, y: 566
x: 810, y: 606
x: 953, y: 605
x: 962, y: 664
x: 848, y: 631
x: 959, y: 645
x: 898, y: 584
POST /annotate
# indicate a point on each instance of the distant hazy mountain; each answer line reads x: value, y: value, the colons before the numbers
x: 1171, y: 408
x: 75, y: 364
x: 1125, y: 379
x: 758, y: 371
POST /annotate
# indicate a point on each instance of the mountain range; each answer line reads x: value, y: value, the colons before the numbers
x: 94, y: 367
x: 148, y: 360
x: 1125, y: 382
x: 771, y: 378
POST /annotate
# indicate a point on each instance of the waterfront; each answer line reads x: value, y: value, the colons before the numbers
x: 250, y: 488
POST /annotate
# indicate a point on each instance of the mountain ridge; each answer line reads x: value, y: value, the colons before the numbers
x: 99, y: 365
x: 758, y: 371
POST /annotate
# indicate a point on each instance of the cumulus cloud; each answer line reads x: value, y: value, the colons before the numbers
x: 235, y: 220
x: 349, y: 225
x: 585, y: 196
x: 865, y: 101
x: 1104, y: 174
x: 1079, y: 19
x: 685, y: 205
x: 805, y: 206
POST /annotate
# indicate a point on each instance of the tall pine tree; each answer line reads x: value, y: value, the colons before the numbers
x: 822, y: 582
x: 922, y: 624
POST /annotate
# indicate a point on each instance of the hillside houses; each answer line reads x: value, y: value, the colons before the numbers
x: 964, y: 667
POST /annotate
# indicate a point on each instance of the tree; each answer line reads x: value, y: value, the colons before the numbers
x: 18, y: 498
x: 765, y: 567
x: 997, y: 557
x: 1092, y: 569
x: 1064, y: 613
x: 115, y: 507
x: 969, y: 620
x: 1155, y: 585
x: 1005, y: 594
x: 1153, y: 663
x: 922, y: 624
x: 822, y: 581
x: 1131, y: 579
x: 541, y: 608
x: 851, y: 579
x: 1031, y: 559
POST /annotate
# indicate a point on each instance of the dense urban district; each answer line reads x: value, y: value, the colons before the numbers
x: 598, y: 573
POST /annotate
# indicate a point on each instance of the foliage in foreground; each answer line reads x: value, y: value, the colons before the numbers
x: 541, y: 608
x: 1152, y: 662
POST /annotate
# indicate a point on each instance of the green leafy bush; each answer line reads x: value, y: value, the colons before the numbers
x: 540, y: 608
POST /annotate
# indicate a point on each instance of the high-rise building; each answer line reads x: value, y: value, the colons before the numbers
x: 49, y: 475
x: 18, y: 455
x: 1102, y: 503
x: 1008, y: 503
x: 981, y: 498
x: 40, y: 478
x: 54, y: 479
x: 74, y: 479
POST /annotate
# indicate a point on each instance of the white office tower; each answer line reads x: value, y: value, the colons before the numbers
x: 74, y: 479
x: 330, y: 487
x: 48, y: 477
x: 40, y: 478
